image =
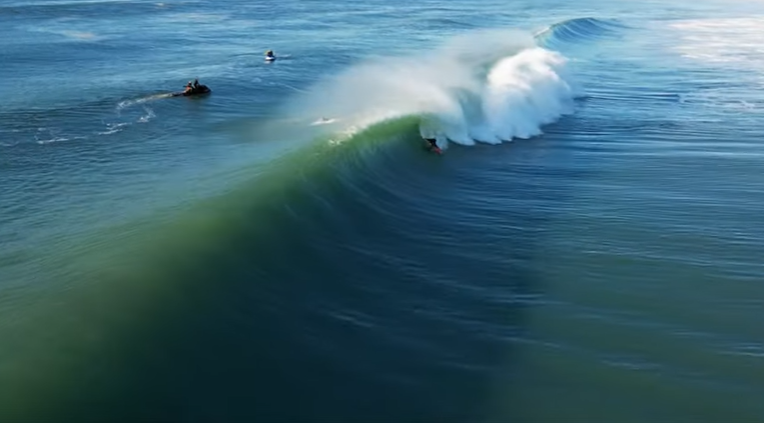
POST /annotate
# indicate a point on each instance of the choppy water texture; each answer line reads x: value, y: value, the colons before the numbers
x: 588, y: 247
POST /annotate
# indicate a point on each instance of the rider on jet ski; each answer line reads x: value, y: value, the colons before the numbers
x: 191, y: 87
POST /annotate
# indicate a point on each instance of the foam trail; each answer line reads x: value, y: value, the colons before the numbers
x: 487, y: 86
x: 129, y: 103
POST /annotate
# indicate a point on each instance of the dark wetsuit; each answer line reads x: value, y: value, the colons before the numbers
x: 433, y: 142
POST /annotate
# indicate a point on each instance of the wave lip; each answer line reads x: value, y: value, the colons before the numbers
x: 519, y: 95
x: 525, y: 92
x: 579, y: 30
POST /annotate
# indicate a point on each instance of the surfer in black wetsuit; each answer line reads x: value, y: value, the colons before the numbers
x: 433, y: 143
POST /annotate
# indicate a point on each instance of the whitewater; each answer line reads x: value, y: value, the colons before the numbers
x: 489, y: 86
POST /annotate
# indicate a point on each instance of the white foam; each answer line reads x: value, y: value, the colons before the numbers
x: 323, y: 121
x: 523, y: 93
x: 51, y: 140
x: 148, y: 116
x: 79, y: 35
x: 195, y: 17
x: 487, y: 86
x: 70, y: 34
x: 128, y: 103
x: 113, y: 128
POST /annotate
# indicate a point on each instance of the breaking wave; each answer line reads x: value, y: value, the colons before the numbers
x: 487, y: 86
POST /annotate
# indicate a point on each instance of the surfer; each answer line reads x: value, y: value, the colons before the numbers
x: 189, y: 88
x: 269, y: 55
x: 433, y: 144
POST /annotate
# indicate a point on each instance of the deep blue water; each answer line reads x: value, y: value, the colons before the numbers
x: 588, y: 247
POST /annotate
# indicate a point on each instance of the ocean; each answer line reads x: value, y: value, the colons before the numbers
x: 589, y: 246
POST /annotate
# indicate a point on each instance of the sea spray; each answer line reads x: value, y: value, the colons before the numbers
x: 485, y: 86
x: 524, y: 92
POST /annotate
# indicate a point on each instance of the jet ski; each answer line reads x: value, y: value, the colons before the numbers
x: 199, y: 90
x: 193, y: 88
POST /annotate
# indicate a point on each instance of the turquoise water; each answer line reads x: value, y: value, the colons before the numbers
x: 587, y: 248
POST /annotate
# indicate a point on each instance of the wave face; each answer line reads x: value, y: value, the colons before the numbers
x: 277, y: 258
x: 286, y: 282
x: 488, y: 86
